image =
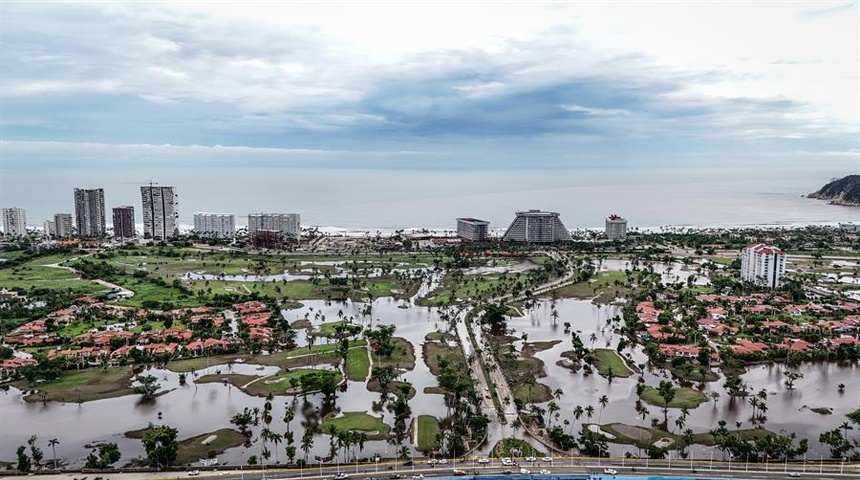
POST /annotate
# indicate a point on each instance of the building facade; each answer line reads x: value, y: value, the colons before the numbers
x: 90, y: 212
x: 215, y: 225
x: 14, y: 222
x: 289, y: 224
x: 159, y: 212
x: 536, y: 226
x: 616, y: 227
x: 63, y: 226
x: 50, y: 228
x: 763, y: 265
x: 472, y: 229
x: 123, y: 221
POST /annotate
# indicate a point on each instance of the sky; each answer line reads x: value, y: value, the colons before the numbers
x: 447, y: 84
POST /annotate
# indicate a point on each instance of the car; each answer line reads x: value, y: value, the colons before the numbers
x: 531, y: 459
x: 483, y: 460
x: 506, y: 472
x: 545, y: 472
x: 407, y: 463
x: 793, y: 474
x: 193, y: 473
x: 418, y: 476
x: 525, y: 471
x: 443, y: 461
x: 341, y: 476
x: 396, y: 476
x: 459, y: 472
x: 610, y: 471
x: 432, y: 461
x: 546, y: 459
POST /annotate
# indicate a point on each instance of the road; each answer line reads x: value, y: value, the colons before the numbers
x: 558, y: 468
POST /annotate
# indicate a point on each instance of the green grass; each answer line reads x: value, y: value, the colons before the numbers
x: 434, y: 352
x: 83, y: 385
x: 357, y: 421
x: 684, y: 397
x: 191, y: 449
x: 357, y: 364
x: 602, y: 286
x: 299, y: 357
x: 608, y: 361
x: 278, y: 384
x: 403, y: 357
x: 428, y: 428
x: 33, y: 275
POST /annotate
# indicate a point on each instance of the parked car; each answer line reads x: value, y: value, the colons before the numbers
x: 610, y: 471
x: 546, y: 459
x: 432, y: 461
x: 483, y: 460
x: 531, y: 459
x: 418, y: 476
x: 193, y: 473
x: 341, y: 476
x: 443, y: 461
x: 793, y: 474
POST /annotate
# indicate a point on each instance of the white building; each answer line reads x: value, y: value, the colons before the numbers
x: 14, y: 222
x: 616, y: 227
x: 472, y: 229
x: 215, y: 225
x: 289, y: 224
x: 763, y: 265
x: 63, y: 225
x: 536, y: 226
x: 159, y: 212
x: 50, y: 228
x: 90, y: 212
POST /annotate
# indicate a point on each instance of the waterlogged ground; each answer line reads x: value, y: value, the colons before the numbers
x: 200, y: 408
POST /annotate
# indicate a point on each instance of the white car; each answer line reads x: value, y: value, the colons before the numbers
x: 443, y: 461
x: 506, y: 462
x: 610, y: 471
x: 531, y: 459
x: 432, y: 461
x: 483, y: 460
x: 525, y: 471
x: 193, y: 473
x: 341, y: 476
x: 793, y: 474
x: 546, y: 459
x: 545, y: 472
x: 418, y: 476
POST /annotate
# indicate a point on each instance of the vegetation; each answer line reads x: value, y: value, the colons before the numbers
x: 360, y: 421
x: 610, y: 364
x: 428, y: 432
x: 684, y: 397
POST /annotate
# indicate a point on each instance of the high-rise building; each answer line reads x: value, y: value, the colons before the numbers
x: 159, y: 212
x: 289, y: 224
x: 90, y: 212
x: 50, y: 228
x: 472, y: 229
x: 616, y: 227
x: 215, y: 225
x: 14, y: 222
x: 536, y: 226
x: 63, y: 225
x: 123, y: 221
x: 763, y: 265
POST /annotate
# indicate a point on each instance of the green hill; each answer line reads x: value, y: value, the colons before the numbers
x: 845, y: 191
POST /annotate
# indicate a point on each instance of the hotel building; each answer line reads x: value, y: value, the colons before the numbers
x: 159, y: 212
x: 536, y: 226
x: 616, y: 227
x: 90, y: 212
x: 123, y: 221
x: 763, y: 265
x: 14, y: 222
x: 288, y: 224
x: 215, y: 225
x: 472, y: 229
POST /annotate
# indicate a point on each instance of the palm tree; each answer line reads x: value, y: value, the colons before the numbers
x: 577, y: 412
x: 589, y: 412
x: 603, y: 401
x: 53, y: 443
x: 307, y: 442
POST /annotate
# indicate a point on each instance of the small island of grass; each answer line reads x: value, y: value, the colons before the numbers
x: 684, y: 397
x: 373, y: 427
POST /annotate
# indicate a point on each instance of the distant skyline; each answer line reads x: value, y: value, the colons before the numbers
x: 405, y: 85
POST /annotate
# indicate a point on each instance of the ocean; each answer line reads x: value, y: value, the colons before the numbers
x: 699, y: 195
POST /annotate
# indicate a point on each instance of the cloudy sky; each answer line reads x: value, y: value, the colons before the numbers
x: 400, y: 83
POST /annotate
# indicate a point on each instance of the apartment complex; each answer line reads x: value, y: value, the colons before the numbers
x: 763, y: 265
x: 123, y: 221
x: 159, y: 212
x: 63, y: 226
x: 536, y: 226
x: 14, y: 222
x: 90, y: 212
x: 50, y: 228
x: 215, y: 225
x: 472, y: 229
x: 288, y: 224
x: 616, y: 227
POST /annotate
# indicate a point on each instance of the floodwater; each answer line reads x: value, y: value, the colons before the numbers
x: 195, y: 409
